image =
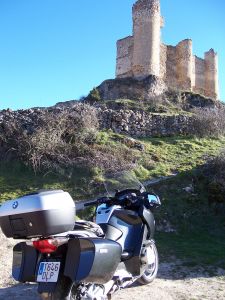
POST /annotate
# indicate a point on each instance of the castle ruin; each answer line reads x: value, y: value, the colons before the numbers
x: 144, y: 54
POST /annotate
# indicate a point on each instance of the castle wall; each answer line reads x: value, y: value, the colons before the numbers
x: 124, y: 57
x: 193, y: 72
x: 163, y: 59
x: 199, y: 75
x: 171, y: 69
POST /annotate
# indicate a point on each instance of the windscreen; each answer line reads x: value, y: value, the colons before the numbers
x: 121, y: 181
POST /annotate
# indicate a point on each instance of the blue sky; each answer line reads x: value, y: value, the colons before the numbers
x: 58, y: 50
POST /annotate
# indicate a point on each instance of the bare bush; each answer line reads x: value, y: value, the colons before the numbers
x: 215, y: 172
x: 113, y: 158
x: 60, y: 138
x: 217, y: 166
x: 11, y: 140
x: 63, y: 139
x: 208, y: 122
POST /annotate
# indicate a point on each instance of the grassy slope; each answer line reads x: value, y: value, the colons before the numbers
x: 162, y: 156
x: 198, y: 235
x: 199, y: 231
x: 176, y: 155
x: 17, y: 179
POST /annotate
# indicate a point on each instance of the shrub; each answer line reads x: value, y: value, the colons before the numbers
x: 215, y: 172
x: 94, y: 96
x: 60, y: 139
x: 63, y: 141
x: 208, y: 122
x: 113, y: 157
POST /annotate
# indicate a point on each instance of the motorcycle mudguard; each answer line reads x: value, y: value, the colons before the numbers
x: 24, y: 262
x: 92, y: 259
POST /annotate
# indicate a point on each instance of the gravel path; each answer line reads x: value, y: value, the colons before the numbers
x: 174, y: 282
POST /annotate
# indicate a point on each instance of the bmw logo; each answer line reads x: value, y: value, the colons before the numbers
x: 15, y: 204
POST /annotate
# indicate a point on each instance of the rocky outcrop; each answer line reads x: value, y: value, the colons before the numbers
x: 131, y: 88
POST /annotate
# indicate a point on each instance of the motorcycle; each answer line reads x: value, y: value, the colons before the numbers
x: 88, y: 260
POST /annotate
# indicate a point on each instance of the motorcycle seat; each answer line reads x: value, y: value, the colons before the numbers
x: 82, y: 225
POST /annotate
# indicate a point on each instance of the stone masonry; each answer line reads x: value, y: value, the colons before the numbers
x: 144, y: 54
x: 128, y: 122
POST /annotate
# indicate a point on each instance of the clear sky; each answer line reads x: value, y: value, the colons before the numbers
x: 58, y: 50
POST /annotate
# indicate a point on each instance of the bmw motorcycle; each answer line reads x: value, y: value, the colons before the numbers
x: 88, y: 260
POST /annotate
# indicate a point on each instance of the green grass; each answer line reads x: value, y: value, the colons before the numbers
x: 155, y: 107
x: 16, y: 179
x: 177, y: 154
x: 198, y: 237
x: 195, y: 249
x: 162, y: 157
x: 165, y: 156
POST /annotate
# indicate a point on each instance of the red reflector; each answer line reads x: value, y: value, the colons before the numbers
x: 44, y: 246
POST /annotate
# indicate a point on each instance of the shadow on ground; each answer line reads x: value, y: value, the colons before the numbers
x: 168, y: 271
x: 178, y: 270
x: 19, y: 292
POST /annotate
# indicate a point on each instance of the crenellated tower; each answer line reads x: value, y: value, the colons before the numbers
x: 146, y: 38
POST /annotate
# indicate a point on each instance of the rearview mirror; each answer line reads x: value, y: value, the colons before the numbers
x: 154, y: 200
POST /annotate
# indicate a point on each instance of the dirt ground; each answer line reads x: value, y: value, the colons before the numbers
x: 175, y: 282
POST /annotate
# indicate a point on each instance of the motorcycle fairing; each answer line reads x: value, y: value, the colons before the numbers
x: 104, y: 213
x: 131, y: 229
x: 148, y: 219
x: 130, y: 224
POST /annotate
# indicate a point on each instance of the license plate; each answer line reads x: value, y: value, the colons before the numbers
x: 48, y: 271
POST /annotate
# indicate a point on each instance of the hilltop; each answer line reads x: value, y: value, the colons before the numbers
x: 70, y: 145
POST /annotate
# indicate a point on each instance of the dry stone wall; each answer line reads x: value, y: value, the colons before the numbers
x: 141, y: 124
x: 111, y: 115
x: 135, y: 124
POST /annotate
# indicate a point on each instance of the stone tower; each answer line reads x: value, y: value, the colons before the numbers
x: 211, y: 74
x: 184, y: 65
x: 144, y: 54
x: 146, y: 38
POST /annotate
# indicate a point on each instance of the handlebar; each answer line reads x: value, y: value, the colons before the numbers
x: 90, y: 204
x: 129, y: 201
x: 112, y: 201
x: 101, y: 200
